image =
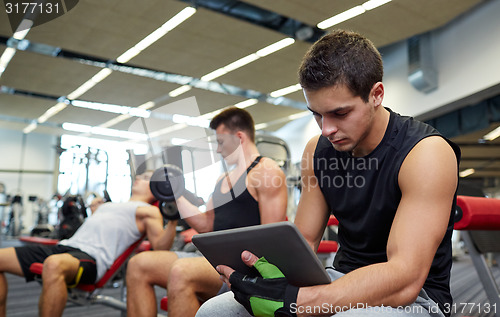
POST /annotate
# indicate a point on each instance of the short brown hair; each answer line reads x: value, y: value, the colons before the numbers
x: 235, y: 119
x: 342, y: 57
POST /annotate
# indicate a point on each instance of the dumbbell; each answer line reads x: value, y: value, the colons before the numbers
x: 167, y: 183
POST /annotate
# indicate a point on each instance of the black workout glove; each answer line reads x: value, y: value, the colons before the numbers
x: 269, y: 295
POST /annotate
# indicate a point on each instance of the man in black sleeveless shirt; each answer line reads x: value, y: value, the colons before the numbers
x: 391, y: 182
x: 253, y: 192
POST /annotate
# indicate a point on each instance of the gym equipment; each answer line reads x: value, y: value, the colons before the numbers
x: 15, y: 224
x: 169, y: 210
x: 167, y: 183
x: 42, y: 227
x: 87, y: 294
x: 478, y: 218
x: 72, y: 213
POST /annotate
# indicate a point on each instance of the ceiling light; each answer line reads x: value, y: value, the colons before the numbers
x: 102, y: 144
x: 341, y: 17
x: 118, y: 133
x: 492, y: 135
x: 179, y: 91
x: 261, y: 126
x: 147, y: 105
x: 103, y: 73
x: 99, y: 106
x: 210, y: 115
x: 76, y: 127
x: 30, y: 127
x: 157, y: 34
x: 248, y: 59
x: 23, y: 29
x: 51, y: 112
x: 372, y: 4
x: 178, y: 141
x: 192, y: 121
x: 103, y: 131
x: 7, y: 56
x: 166, y: 130
x: 86, y: 86
x: 139, y: 112
x: 114, y: 121
x: 467, y: 172
x: 246, y: 103
x: 275, y: 47
x: 128, y: 55
x: 285, y: 91
x: 133, y: 111
x: 298, y: 115
x: 215, y: 74
x: 180, y: 17
x: 295, y: 116
x: 241, y: 62
x: 171, y: 24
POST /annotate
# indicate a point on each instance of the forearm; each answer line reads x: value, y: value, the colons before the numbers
x: 375, y: 285
x: 165, y: 239
x: 201, y: 222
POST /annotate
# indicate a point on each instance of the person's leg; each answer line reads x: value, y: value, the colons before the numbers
x: 223, y: 305
x: 8, y: 264
x: 144, y: 271
x: 58, y: 271
x: 191, y: 280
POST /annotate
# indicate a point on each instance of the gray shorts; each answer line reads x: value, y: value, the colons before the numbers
x: 225, y: 305
x: 183, y: 254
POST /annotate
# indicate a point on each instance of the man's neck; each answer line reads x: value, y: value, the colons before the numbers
x: 376, y: 133
x: 139, y: 198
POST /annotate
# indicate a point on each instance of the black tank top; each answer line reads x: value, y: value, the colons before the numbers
x: 363, y: 194
x: 236, y: 208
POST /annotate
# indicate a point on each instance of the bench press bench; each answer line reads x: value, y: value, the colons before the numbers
x: 478, y: 219
x: 87, y: 294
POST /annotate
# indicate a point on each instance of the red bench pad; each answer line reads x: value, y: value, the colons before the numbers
x: 39, y: 240
x: 327, y: 246
x: 479, y: 213
x: 164, y: 303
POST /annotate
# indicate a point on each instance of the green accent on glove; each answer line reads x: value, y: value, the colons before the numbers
x: 267, y: 270
x: 264, y: 307
x: 264, y: 296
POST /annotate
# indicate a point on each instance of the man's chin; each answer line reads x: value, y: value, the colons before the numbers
x: 342, y: 147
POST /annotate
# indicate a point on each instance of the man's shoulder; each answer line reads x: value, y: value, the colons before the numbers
x: 267, y: 169
x: 147, y: 210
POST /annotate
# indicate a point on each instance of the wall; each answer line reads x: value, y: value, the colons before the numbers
x: 39, y: 155
x: 466, y: 57
x: 466, y: 54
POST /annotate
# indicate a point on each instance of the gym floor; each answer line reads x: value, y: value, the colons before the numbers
x: 22, y: 300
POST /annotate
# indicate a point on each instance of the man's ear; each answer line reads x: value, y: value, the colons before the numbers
x: 377, y: 94
x: 242, y: 136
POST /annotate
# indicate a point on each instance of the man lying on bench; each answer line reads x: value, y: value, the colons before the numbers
x: 86, y: 256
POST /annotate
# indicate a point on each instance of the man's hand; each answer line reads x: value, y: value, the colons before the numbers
x: 269, y: 295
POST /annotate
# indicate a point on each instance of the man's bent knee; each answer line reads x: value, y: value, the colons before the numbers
x: 60, y: 266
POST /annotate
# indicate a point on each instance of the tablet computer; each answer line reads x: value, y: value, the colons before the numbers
x: 280, y: 243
